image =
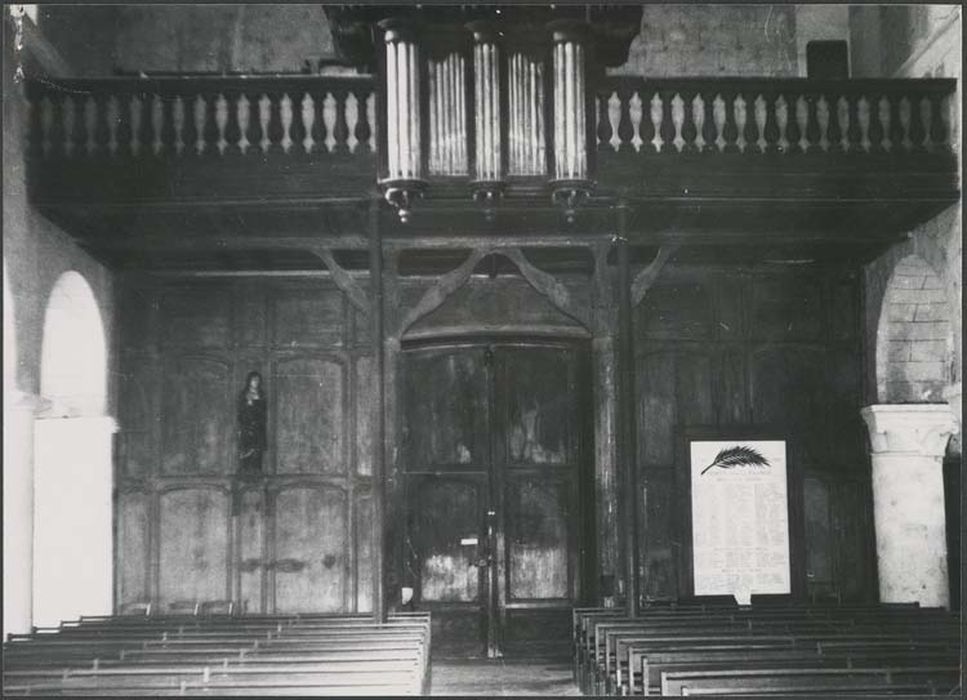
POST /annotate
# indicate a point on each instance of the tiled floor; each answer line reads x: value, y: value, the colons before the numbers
x: 502, y: 677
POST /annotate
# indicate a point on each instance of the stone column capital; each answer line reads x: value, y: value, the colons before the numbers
x: 915, y: 429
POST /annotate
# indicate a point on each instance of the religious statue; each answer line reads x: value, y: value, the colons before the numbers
x: 251, y: 425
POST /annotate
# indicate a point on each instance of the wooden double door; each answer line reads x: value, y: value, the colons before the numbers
x: 497, y: 490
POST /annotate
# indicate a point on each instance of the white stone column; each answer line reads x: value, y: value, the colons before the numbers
x: 908, y: 443
x: 18, y: 510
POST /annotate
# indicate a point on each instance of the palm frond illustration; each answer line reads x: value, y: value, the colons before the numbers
x: 737, y: 456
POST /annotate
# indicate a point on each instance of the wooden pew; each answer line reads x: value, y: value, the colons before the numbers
x: 306, y: 654
x: 600, y: 664
x: 930, y: 680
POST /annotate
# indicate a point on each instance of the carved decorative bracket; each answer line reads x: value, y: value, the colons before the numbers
x: 438, y: 293
x: 548, y: 285
x: 644, y: 279
x: 343, y: 280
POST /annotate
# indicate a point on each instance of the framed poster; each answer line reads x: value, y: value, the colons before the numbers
x: 740, y: 517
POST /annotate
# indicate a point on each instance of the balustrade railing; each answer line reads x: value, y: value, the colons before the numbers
x: 181, y: 118
x: 770, y: 116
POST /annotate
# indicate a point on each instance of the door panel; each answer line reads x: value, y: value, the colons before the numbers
x: 311, y: 536
x: 446, y: 512
x: 492, y: 455
x: 539, y: 419
x: 446, y: 422
x: 538, y: 561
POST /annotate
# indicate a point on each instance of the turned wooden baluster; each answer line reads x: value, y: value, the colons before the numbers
x: 938, y: 130
x: 751, y: 130
x: 793, y: 135
x: 233, y: 130
x: 626, y: 131
x: 813, y: 134
x: 253, y: 130
x: 341, y: 128
x: 168, y: 147
x: 876, y: 127
x: 124, y: 133
x: 709, y: 132
x: 319, y: 123
x: 918, y: 132
x: 854, y: 133
x: 145, y: 135
x: 297, y: 129
x: 770, y: 131
x: 730, y: 131
x: 834, y: 132
x: 79, y: 134
x: 210, y: 129
x: 896, y: 125
x: 667, y: 128
x: 362, y: 131
x: 604, y: 130
x: 102, y: 134
x: 274, y: 129
x: 689, y: 129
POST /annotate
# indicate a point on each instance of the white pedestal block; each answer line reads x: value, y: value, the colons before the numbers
x: 73, y: 540
x: 908, y: 442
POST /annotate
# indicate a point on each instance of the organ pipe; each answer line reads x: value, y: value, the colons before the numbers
x: 488, y: 141
x: 571, y: 181
x: 404, y: 163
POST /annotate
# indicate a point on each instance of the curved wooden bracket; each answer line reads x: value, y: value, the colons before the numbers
x: 447, y: 285
x: 343, y: 280
x: 547, y: 285
x: 644, y: 279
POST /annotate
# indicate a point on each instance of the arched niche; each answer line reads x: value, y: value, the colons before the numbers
x: 914, y: 341
x: 73, y: 368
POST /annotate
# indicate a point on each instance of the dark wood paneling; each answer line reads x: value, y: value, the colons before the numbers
x: 310, y: 415
x: 681, y: 310
x: 308, y: 317
x: 731, y: 397
x: 182, y: 369
x: 364, y: 531
x: 198, y: 416
x: 656, y: 408
x: 694, y: 388
x: 196, y: 315
x: 133, y: 547
x: 250, y: 321
x: 137, y: 389
x: 788, y: 388
x: 784, y: 354
x: 366, y: 385
x: 787, y: 307
x: 194, y: 544
x: 251, y: 548
x: 820, y: 545
x: 659, y: 544
x: 311, y: 566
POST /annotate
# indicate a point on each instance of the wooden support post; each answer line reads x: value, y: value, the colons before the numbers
x: 376, y: 317
x: 626, y: 437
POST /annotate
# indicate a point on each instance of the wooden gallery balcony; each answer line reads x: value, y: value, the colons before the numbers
x: 696, y: 159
